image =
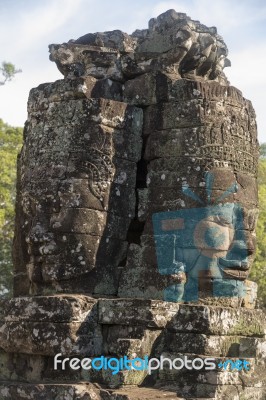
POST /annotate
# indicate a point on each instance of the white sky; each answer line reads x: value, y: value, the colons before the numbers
x: 28, y: 26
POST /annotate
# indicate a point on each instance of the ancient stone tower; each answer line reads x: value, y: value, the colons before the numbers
x: 135, y: 225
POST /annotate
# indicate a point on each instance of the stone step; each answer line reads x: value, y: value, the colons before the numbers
x: 156, y: 342
x: 251, y: 372
x: 210, y: 345
x: 39, y: 391
x: 210, y: 320
x: 175, y: 317
x: 141, y: 393
x: 81, y: 391
x: 132, y: 311
x: 219, y: 321
x: 193, y: 391
x: 88, y: 391
x: 34, y: 368
x: 56, y: 308
x: 48, y: 325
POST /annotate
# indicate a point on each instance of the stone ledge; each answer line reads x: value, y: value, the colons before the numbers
x: 51, y: 338
x: 209, y: 320
x: 88, y: 391
x: 57, y: 308
x: 193, y: 391
x: 141, y: 393
x: 151, y: 313
x: 213, y: 345
x: 79, y: 391
x: 218, y: 321
x: 38, y: 391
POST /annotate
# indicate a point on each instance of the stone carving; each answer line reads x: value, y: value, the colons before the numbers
x: 85, y: 135
x: 173, y: 43
x: 136, y: 197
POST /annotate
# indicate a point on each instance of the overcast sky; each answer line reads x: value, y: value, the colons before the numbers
x: 28, y: 26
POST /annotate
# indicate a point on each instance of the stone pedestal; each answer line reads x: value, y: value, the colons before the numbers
x: 34, y: 330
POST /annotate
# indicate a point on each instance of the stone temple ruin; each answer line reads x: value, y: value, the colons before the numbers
x: 135, y: 222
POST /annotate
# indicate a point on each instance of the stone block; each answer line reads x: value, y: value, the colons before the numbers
x: 168, y: 115
x: 212, y: 345
x: 62, y: 89
x: 130, y: 341
x: 91, y: 222
x: 141, y: 91
x: 150, y: 313
x: 218, y: 321
x: 115, y: 170
x: 168, y: 172
x: 49, y: 338
x: 102, y: 280
x: 203, y: 378
x: 116, y: 198
x: 142, y: 393
x: 88, y: 137
x: 155, y: 87
x: 75, y: 254
x: 57, y: 309
x: 142, y: 278
x: 103, y: 111
x: 51, y: 325
x: 40, y: 391
x: 193, y: 391
x: 88, y: 60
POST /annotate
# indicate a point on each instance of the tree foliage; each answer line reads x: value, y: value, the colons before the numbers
x: 10, y: 144
x: 258, y: 272
x: 8, y: 71
x: 263, y: 150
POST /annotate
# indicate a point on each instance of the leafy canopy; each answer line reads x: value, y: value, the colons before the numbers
x: 8, y: 71
x: 10, y: 144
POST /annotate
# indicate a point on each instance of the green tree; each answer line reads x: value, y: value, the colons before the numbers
x: 8, y: 71
x: 10, y: 144
x: 263, y: 150
x: 258, y: 272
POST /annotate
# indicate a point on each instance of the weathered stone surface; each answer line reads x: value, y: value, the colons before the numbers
x: 134, y: 393
x: 212, y: 345
x: 173, y: 43
x: 81, y: 391
x: 58, y: 309
x: 194, y: 120
x: 142, y: 278
x: 86, y: 138
x: 92, y: 222
x: 184, y: 377
x: 218, y: 321
x: 206, y: 391
x: 135, y: 341
x: 88, y: 150
x: 153, y: 88
x: 50, y: 325
x: 190, y: 136
x: 50, y: 338
x: 136, y: 311
x: 109, y: 113
x: 136, y: 185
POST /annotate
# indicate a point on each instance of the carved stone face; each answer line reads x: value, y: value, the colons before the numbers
x: 78, y: 192
x: 96, y: 172
x: 213, y: 245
